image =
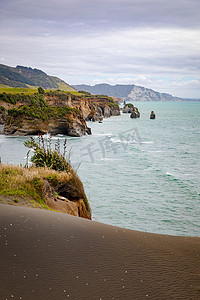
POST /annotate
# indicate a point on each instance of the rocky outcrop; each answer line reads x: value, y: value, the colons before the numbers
x: 70, y: 125
x: 68, y: 197
x: 2, y: 115
x: 130, y: 108
x: 135, y: 114
x: 32, y: 115
x: 152, y: 115
x: 102, y: 108
x: 54, y: 112
x: 91, y: 107
x: 76, y: 206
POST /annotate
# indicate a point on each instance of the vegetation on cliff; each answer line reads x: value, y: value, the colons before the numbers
x: 34, y: 106
x: 50, y: 183
x: 45, y: 156
x: 56, y: 112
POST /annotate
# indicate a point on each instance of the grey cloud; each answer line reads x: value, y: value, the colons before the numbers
x: 81, y: 41
x: 103, y: 14
x: 135, y: 53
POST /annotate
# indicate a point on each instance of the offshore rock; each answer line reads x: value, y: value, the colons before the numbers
x: 135, y: 113
x: 152, y: 115
x: 128, y: 108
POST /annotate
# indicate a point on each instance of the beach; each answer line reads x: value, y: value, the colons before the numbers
x: 50, y: 255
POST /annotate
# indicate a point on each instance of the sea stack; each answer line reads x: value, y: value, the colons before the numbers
x: 135, y: 113
x: 152, y: 115
x: 130, y: 108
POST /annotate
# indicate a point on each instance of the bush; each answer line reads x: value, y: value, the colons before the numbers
x: 41, y: 90
x: 14, y: 112
x: 44, y: 156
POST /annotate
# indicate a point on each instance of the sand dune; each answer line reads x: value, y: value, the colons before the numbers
x: 48, y: 255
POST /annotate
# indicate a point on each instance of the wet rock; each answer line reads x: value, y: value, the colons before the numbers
x: 23, y: 126
x: 152, y: 115
x: 135, y: 113
x: 128, y: 108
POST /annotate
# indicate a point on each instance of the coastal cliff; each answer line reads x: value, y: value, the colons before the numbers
x: 45, y: 189
x: 54, y: 112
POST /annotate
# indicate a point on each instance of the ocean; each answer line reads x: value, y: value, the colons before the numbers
x: 139, y: 174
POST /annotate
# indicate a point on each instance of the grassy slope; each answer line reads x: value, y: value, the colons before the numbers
x: 30, y: 91
x: 12, y: 90
x: 22, y: 186
x: 24, y: 77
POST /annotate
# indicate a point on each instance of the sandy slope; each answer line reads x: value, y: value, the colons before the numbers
x: 48, y: 255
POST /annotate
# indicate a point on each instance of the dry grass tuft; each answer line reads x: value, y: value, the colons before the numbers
x: 29, y: 183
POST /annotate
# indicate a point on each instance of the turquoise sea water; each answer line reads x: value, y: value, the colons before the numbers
x: 139, y: 174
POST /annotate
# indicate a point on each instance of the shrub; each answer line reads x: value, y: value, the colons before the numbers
x: 14, y: 112
x: 41, y: 90
x: 44, y: 156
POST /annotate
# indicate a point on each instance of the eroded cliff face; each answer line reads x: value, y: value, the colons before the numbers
x: 54, y: 112
x: 75, y: 206
x: 93, y: 108
x: 68, y: 125
x: 27, y: 126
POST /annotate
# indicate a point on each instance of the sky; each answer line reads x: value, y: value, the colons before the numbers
x: 151, y: 43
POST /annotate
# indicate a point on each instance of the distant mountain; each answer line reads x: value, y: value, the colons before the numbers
x: 139, y: 93
x: 118, y: 90
x: 129, y: 92
x: 25, y: 77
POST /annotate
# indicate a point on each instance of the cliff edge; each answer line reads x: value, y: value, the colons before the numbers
x: 55, y: 112
x: 45, y: 189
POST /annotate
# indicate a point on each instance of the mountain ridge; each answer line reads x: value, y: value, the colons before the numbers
x: 27, y: 77
x: 130, y: 92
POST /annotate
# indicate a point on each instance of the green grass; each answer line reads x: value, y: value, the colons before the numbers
x: 28, y: 184
x: 76, y: 93
x: 35, y: 106
x: 15, y: 182
x: 34, y: 89
x: 11, y: 90
x: 65, y: 87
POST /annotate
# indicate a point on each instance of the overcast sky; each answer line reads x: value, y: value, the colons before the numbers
x: 152, y: 43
